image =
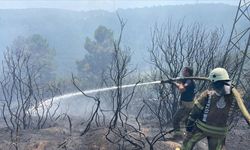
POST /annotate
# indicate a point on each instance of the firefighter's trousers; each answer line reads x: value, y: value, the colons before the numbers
x: 182, y: 114
x: 214, y: 142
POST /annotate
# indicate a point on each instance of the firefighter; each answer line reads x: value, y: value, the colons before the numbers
x: 211, y: 113
x: 186, y: 87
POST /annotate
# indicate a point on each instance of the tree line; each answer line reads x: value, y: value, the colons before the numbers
x: 28, y: 78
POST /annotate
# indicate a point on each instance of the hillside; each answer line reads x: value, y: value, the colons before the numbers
x: 66, y: 30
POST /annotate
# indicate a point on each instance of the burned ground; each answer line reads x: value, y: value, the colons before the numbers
x: 58, y: 136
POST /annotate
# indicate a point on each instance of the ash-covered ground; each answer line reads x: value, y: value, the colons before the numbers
x: 58, y: 136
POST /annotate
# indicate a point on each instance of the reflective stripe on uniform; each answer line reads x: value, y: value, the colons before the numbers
x: 219, y: 144
x: 191, y: 119
x: 189, y: 144
x: 221, y: 131
x: 196, y: 103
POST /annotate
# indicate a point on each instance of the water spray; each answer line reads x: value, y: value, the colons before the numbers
x: 169, y: 81
x: 57, y: 98
x: 47, y: 102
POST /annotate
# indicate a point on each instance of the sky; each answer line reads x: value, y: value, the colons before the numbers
x: 109, y: 5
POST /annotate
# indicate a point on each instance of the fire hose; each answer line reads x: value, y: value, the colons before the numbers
x: 241, y: 105
x: 185, y: 78
x: 235, y: 92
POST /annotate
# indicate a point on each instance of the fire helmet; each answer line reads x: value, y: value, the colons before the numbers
x: 219, y: 74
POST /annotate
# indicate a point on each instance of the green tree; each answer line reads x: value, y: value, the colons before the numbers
x: 99, y: 55
x: 41, y: 55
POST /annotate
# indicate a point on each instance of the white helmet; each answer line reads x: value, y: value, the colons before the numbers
x: 218, y: 74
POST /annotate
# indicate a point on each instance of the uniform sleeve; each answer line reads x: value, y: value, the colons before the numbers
x: 187, y: 83
x: 196, y: 111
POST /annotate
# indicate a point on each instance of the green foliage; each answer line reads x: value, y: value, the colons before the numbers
x: 102, y: 34
x: 67, y: 29
x: 98, y: 57
x: 41, y: 55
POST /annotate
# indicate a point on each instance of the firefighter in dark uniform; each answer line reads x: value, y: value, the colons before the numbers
x: 211, y: 113
x: 186, y: 87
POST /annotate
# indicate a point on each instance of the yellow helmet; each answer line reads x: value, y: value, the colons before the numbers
x: 218, y: 74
